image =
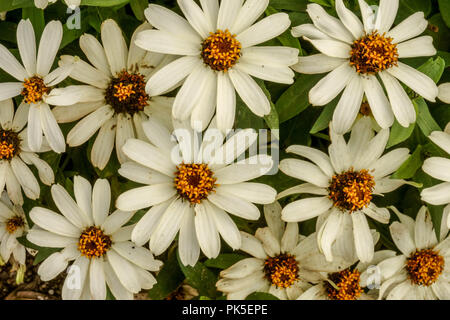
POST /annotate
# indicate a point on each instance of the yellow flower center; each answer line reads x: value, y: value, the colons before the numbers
x: 345, y: 285
x: 126, y: 93
x: 221, y: 50
x: 34, y: 89
x: 351, y: 190
x: 93, y: 243
x: 282, y: 270
x: 194, y: 182
x: 373, y: 53
x: 424, y: 267
x: 9, y: 144
x: 14, y: 223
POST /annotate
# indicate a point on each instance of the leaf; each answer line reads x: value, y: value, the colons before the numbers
x: 294, y: 5
x: 138, y: 7
x: 399, y: 134
x: 425, y: 121
x: 103, y: 3
x: 261, y: 296
x: 409, y: 168
x: 409, y: 7
x: 444, y: 6
x: 271, y: 119
x: 323, y: 121
x: 8, y: 5
x: 224, y: 260
x: 201, y: 278
x: 295, y: 99
x: 434, y: 68
x: 169, y: 278
x: 36, y: 17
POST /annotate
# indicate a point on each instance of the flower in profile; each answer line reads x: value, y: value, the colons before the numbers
x: 444, y: 92
x: 42, y: 4
x: 96, y: 240
x: 16, y: 155
x: 358, y: 54
x: 13, y: 225
x: 421, y: 271
x: 438, y: 168
x: 113, y: 100
x: 345, y: 182
x: 35, y: 81
x: 190, y: 186
x: 283, y: 262
x: 217, y: 45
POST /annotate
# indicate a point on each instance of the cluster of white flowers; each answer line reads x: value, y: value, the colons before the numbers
x: 191, y: 186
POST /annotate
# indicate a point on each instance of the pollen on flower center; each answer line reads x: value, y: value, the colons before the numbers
x: 221, y: 50
x: 126, y: 93
x: 14, y: 223
x: 373, y: 53
x: 9, y: 144
x: 34, y: 89
x: 424, y: 267
x: 345, y: 285
x: 194, y: 182
x: 282, y: 270
x: 351, y: 190
x: 93, y: 243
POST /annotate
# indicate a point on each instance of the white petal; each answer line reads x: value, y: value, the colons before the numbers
x: 305, y: 209
x: 10, y: 90
x: 168, y: 43
x: 10, y: 64
x: 26, y: 43
x: 124, y: 131
x: 226, y: 227
x: 68, y: 207
x: 418, y: 47
x: 438, y: 194
x: 226, y: 102
x: 252, y: 192
x: 196, y: 17
x: 444, y: 92
x: 380, y: 214
x: 409, y: 28
x: 53, y: 222
x: 252, y: 246
x: 379, y: 104
x: 206, y: 230
x: 350, y: 20
x: 51, y: 129
x: 332, y: 48
x: 364, y: 243
x: 248, y: 14
x: 147, y: 224
x: 136, y: 172
x: 265, y: 72
x: 390, y: 162
x: 438, y: 168
x: 104, y: 144
x: 48, y: 47
x: 305, y: 171
x: 125, y: 271
x: 317, y: 63
x: 424, y: 235
x: 140, y: 256
x: 95, y: 53
x: 115, y: 47
x: 188, y: 246
x: 144, y: 197
x: 97, y: 279
x: 227, y: 14
x: 244, y: 171
x: 402, y: 238
x: 236, y: 206
x: 386, y: 14
x: 52, y: 266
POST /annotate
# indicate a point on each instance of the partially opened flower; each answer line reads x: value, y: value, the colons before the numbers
x: 283, y: 262
x: 42, y: 4
x: 350, y: 283
x: 444, y: 92
x: 13, y: 225
x: 35, y: 81
x: 15, y: 155
x: 344, y: 182
x: 422, y: 270
x: 113, y: 101
x: 96, y: 240
x: 191, y: 186
x: 360, y: 54
x: 219, y: 55
x: 438, y: 168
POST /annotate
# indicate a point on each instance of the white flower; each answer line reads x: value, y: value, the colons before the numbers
x: 422, y: 271
x: 345, y: 182
x: 13, y: 225
x: 438, y: 168
x: 15, y: 155
x: 36, y: 81
x: 444, y: 92
x: 97, y: 240
x: 283, y: 263
x: 194, y: 191
x: 349, y: 283
x: 357, y: 52
x: 219, y: 56
x: 113, y: 101
x: 42, y: 4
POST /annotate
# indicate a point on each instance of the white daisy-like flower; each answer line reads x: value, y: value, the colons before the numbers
x: 96, y: 239
x: 36, y: 81
x: 219, y: 56
x: 438, y: 168
x: 444, y: 92
x: 345, y: 182
x: 358, y: 54
x: 283, y: 262
x: 422, y: 271
x: 16, y: 154
x: 42, y: 4
x: 13, y: 225
x: 349, y: 284
x: 113, y: 101
x: 191, y: 186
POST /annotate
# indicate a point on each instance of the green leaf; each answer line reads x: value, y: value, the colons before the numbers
x: 409, y: 168
x: 425, y: 121
x: 294, y: 5
x: 169, y: 278
x: 272, y: 118
x: 36, y: 17
x: 399, y: 134
x: 8, y: 5
x: 295, y: 99
x: 224, y: 260
x: 201, y: 278
x: 138, y: 7
x: 444, y: 6
x: 434, y: 68
x: 409, y: 7
x: 261, y: 296
x: 103, y: 3
x: 323, y: 121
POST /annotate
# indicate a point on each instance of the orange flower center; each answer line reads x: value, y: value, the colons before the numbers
x: 9, y: 144
x: 282, y: 270
x: 345, y: 285
x: 221, y: 50
x: 14, y: 223
x: 94, y: 243
x: 34, y: 89
x: 194, y: 182
x: 424, y: 267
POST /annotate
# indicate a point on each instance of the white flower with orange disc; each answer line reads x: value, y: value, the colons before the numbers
x: 42, y: 4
